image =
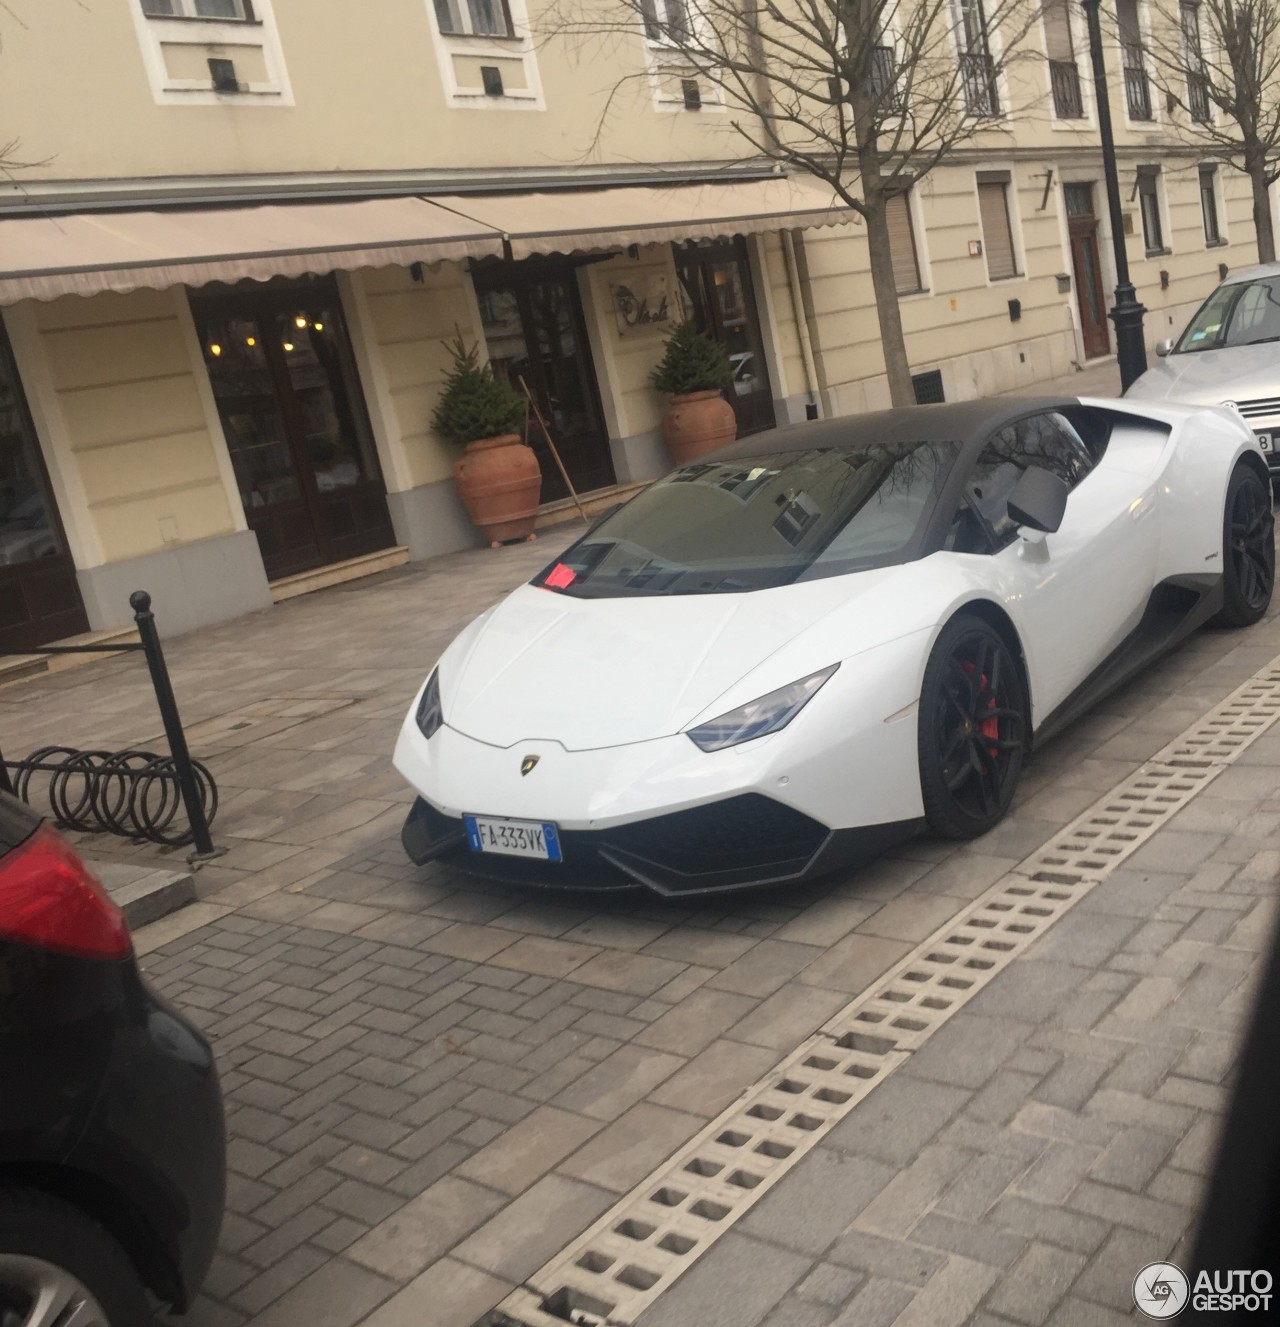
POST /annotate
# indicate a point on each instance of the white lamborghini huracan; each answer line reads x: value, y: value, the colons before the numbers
x: 798, y: 650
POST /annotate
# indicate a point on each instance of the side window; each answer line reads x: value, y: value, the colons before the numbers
x: 1049, y: 441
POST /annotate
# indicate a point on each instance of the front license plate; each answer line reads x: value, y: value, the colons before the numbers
x: 1264, y: 441
x: 513, y: 838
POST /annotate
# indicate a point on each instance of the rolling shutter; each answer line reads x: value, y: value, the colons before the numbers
x: 997, y: 234
x: 902, y: 244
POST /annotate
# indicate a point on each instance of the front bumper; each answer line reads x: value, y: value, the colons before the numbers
x: 738, y: 843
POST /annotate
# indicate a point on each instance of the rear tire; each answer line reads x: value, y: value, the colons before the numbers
x: 972, y: 729
x: 53, y: 1250
x: 1248, y: 549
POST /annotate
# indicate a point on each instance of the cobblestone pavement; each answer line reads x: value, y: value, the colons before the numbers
x: 433, y: 1086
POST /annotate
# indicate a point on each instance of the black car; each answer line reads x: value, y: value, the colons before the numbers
x: 112, y: 1149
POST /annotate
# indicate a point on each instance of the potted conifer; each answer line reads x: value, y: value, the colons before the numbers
x: 497, y: 478
x: 694, y: 368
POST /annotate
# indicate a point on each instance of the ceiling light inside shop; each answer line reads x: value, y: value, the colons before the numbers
x: 288, y: 345
x: 215, y: 349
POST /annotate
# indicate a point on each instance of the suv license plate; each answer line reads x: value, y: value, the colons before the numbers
x: 513, y: 838
x: 1265, y: 441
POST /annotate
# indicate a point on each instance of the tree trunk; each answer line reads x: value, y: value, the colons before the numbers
x: 1256, y: 166
x: 897, y: 366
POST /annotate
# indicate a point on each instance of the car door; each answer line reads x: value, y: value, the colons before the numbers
x: 1076, y: 595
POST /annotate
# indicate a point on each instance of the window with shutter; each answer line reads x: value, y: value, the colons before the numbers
x: 997, y: 232
x: 902, y: 244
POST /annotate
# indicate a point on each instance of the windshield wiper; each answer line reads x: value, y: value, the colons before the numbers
x: 1261, y: 341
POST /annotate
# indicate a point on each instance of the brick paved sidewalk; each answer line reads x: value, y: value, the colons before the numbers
x: 1050, y: 1140
x: 433, y: 1086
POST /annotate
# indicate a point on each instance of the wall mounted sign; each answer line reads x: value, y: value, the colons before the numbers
x: 641, y: 302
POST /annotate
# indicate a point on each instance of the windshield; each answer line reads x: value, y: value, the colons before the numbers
x: 1244, y: 314
x: 749, y: 524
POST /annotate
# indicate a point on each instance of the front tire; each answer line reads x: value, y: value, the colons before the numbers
x: 59, y: 1265
x: 1248, y: 549
x: 972, y: 729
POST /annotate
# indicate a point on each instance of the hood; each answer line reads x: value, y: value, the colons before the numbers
x: 591, y: 673
x: 1212, y: 377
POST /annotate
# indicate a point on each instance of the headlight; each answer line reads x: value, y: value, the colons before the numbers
x: 768, y: 714
x: 429, y: 714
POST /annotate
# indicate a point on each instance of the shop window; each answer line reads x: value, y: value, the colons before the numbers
x: 997, y: 227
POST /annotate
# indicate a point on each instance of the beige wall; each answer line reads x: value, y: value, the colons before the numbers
x: 120, y: 376
x: 366, y: 96
x: 408, y: 323
x: 962, y: 323
x: 625, y: 359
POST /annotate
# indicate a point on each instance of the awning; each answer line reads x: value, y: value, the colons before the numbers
x: 602, y: 219
x: 86, y: 253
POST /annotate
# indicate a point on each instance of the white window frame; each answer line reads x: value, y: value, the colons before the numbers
x: 1014, y: 213
x: 994, y: 50
x: 1219, y: 205
x: 665, y: 62
x: 463, y: 9
x: 1143, y: 12
x: 1162, y: 209
x: 228, y: 37
x: 498, y: 49
x: 188, y: 9
x: 1084, y: 72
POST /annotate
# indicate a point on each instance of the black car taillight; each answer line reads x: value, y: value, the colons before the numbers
x: 50, y: 900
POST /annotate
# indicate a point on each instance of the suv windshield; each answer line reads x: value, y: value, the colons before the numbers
x: 1244, y: 314
x: 723, y: 527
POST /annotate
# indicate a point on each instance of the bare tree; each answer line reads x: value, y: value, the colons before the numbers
x: 865, y: 95
x: 1218, y: 63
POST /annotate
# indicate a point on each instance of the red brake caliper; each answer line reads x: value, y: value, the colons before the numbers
x: 990, y: 728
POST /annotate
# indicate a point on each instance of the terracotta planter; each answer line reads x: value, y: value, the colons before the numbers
x: 697, y: 422
x: 499, y: 482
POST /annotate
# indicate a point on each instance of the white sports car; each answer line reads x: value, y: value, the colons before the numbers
x: 785, y: 657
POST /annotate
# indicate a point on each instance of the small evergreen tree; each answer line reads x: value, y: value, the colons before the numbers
x: 692, y: 362
x: 473, y: 403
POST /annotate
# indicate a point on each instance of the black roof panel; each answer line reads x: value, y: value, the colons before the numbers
x: 958, y: 421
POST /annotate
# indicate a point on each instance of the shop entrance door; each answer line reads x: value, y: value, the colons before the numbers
x: 39, y: 596
x: 533, y: 329
x: 294, y: 417
x: 1082, y: 226
x: 717, y: 293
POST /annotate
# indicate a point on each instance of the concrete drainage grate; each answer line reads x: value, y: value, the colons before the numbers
x: 617, y: 1268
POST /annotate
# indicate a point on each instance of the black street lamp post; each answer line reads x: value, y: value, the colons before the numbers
x: 1131, y: 350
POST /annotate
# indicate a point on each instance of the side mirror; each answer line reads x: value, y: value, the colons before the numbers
x: 1038, y: 501
x: 1164, y: 347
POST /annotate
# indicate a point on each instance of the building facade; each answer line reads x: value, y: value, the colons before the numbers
x: 245, y: 230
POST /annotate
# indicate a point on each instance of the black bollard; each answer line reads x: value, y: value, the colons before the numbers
x: 140, y: 602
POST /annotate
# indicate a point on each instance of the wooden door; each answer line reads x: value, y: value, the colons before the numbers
x: 533, y: 328
x: 717, y: 292
x: 1082, y: 227
x: 39, y: 595
x: 294, y: 418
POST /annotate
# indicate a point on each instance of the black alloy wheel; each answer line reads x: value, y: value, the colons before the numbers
x: 1248, y: 549
x: 972, y: 729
